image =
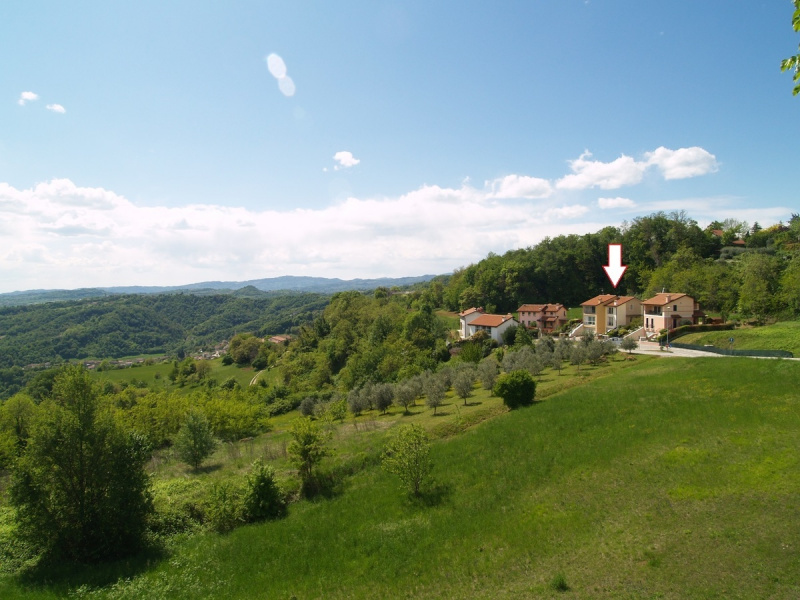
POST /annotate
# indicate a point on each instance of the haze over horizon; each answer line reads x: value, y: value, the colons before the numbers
x: 165, y: 144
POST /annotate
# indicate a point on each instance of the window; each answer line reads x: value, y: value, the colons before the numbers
x: 674, y: 307
x: 589, y: 320
x: 610, y: 322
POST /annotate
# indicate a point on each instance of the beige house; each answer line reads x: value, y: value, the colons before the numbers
x: 607, y: 311
x: 494, y: 325
x: 668, y: 311
x: 546, y: 317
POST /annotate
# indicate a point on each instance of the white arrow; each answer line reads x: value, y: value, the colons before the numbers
x: 615, y: 269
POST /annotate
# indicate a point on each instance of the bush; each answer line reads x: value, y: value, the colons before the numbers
x: 517, y: 388
x: 263, y: 499
x: 195, y: 442
x: 407, y: 455
x: 224, y: 508
x: 307, y: 406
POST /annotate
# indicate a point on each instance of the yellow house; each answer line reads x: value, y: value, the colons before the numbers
x: 607, y: 311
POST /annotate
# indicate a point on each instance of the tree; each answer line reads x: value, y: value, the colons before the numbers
x: 80, y: 489
x: 383, y: 396
x: 629, y: 344
x: 404, y: 395
x: 435, y: 391
x: 195, y: 441
x: 793, y: 62
x: 244, y: 348
x: 488, y: 369
x: 463, y: 382
x: 517, y: 388
x: 307, y: 448
x: 578, y: 355
x: 407, y: 455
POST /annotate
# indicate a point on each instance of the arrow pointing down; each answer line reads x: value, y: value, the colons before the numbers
x: 615, y: 269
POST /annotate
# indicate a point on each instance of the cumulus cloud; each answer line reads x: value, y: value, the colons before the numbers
x: 682, y: 163
x: 520, y: 186
x: 345, y: 159
x: 606, y: 203
x: 625, y: 170
x: 56, y: 108
x: 27, y: 97
x: 64, y: 235
x: 588, y: 173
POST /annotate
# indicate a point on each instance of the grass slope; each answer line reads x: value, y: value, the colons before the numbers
x: 780, y: 336
x: 670, y: 479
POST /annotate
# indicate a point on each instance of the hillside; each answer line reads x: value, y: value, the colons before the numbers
x: 628, y: 487
x: 118, y: 326
x: 779, y: 336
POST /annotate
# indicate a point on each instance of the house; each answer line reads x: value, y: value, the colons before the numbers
x: 607, y: 311
x: 466, y: 317
x: 668, y: 311
x: 546, y: 317
x: 494, y: 325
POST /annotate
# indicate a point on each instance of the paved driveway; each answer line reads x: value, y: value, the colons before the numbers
x: 653, y: 348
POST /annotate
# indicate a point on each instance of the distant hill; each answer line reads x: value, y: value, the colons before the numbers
x: 317, y: 285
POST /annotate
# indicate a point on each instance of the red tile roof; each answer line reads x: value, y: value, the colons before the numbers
x: 608, y: 300
x: 491, y: 320
x: 662, y: 299
x: 469, y: 311
x: 540, y: 307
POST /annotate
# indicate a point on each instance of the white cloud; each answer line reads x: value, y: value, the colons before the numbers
x: 27, y: 97
x: 608, y: 176
x: 345, y: 159
x: 56, y: 108
x: 625, y: 170
x: 64, y: 235
x: 682, y: 163
x: 606, y: 203
x: 520, y: 186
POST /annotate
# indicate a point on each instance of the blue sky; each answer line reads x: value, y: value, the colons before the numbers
x: 153, y: 143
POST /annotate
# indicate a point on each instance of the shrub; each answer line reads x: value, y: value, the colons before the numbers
x: 517, y: 388
x: 195, y: 442
x: 407, y: 455
x: 263, y: 499
x: 224, y: 508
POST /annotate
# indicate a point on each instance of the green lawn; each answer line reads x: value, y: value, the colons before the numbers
x: 665, y: 479
x: 780, y: 336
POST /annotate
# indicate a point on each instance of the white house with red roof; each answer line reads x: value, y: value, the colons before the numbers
x: 494, y: 325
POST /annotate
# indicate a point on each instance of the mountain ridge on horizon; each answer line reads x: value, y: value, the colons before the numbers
x: 284, y: 283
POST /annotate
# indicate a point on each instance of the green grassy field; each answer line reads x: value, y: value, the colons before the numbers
x: 665, y: 479
x: 780, y: 336
x: 157, y: 375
